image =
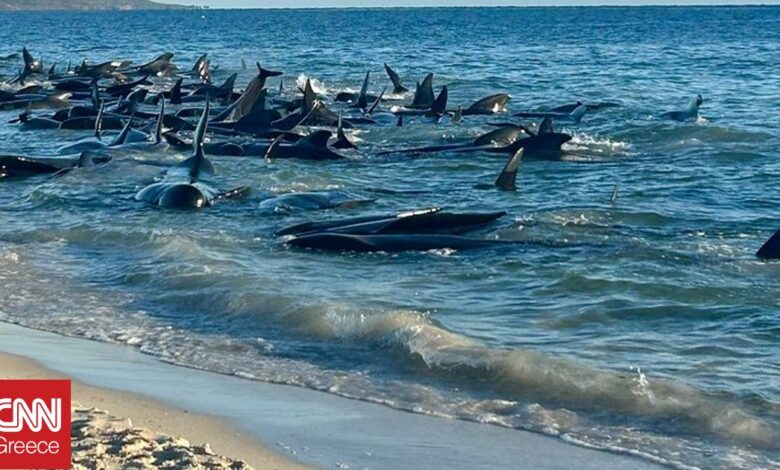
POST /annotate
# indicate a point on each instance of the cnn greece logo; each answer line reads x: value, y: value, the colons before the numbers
x: 34, y: 424
x: 34, y: 417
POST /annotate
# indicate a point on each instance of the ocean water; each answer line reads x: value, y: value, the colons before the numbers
x: 644, y: 327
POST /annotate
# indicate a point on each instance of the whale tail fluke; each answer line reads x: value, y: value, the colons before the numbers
x: 770, y: 249
x: 343, y: 141
x: 398, y: 88
x: 439, y: 106
x: 265, y: 73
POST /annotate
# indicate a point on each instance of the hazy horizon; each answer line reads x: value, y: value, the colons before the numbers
x: 432, y: 3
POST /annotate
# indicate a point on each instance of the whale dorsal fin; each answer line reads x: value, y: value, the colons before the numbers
x: 424, y: 94
x: 343, y: 141
x: 400, y: 122
x: 160, y: 120
x: 229, y: 83
x: 29, y: 60
x: 316, y: 139
x: 243, y: 65
x: 362, y: 101
x: 340, y: 131
x: 122, y: 137
x: 309, y: 96
x: 546, y: 126
x: 176, y: 92
x: 770, y: 249
x: 507, y: 180
x: 199, y: 162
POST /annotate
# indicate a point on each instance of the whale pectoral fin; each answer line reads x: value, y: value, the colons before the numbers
x: 87, y: 159
x: 235, y: 193
x: 770, y: 249
x: 375, y: 104
x: 271, y: 152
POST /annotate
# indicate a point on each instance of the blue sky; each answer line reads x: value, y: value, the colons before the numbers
x: 393, y: 3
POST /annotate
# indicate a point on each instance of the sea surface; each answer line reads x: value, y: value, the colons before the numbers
x: 643, y: 326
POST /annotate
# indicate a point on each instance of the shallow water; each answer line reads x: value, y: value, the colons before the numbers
x: 644, y: 326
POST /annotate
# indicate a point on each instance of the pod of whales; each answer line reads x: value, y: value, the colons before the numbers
x: 275, y: 124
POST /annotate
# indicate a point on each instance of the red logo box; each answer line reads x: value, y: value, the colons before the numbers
x: 34, y: 424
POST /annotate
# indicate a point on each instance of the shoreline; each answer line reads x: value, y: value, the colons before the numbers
x: 315, y: 428
x: 98, y: 409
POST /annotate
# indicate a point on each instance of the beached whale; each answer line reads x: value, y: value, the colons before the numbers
x: 424, y: 230
x: 426, y: 221
x: 311, y: 201
x: 498, y: 137
x: 390, y: 243
x: 187, y: 184
x: 20, y: 166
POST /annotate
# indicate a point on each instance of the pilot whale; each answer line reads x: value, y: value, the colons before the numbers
x: 690, y: 113
x: 187, y: 185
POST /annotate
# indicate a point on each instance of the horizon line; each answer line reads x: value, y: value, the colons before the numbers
x: 670, y: 4
x: 423, y: 7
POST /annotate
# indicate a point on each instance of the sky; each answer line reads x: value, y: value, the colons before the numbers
x: 399, y: 3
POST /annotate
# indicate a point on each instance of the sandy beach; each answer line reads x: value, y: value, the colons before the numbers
x: 268, y: 426
x: 114, y: 429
